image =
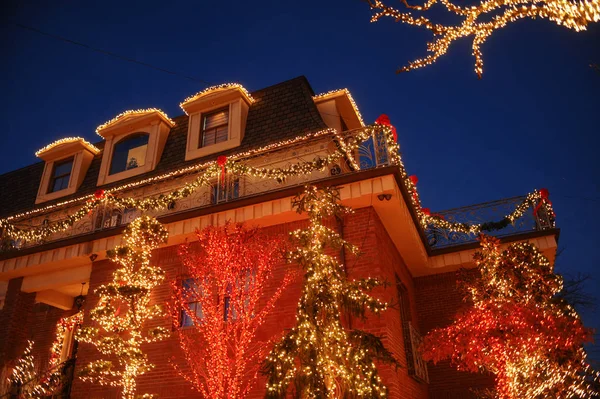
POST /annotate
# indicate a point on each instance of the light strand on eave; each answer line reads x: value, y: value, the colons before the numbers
x: 350, y: 98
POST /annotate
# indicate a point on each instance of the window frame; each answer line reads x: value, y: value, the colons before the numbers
x: 131, y: 136
x: 53, y: 178
x: 203, y: 130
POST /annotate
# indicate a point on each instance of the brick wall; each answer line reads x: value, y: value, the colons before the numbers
x: 438, y: 301
x: 379, y: 258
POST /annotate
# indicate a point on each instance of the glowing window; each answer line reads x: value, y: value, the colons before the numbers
x: 61, y: 174
x: 215, y: 127
x: 129, y: 153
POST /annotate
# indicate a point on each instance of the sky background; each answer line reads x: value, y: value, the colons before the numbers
x: 531, y: 122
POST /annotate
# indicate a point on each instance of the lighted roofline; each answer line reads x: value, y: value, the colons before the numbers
x: 339, y: 93
x: 126, y: 115
x: 216, y: 89
x: 67, y: 140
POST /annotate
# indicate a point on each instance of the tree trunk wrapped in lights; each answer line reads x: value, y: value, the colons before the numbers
x: 221, y: 304
x: 124, y: 308
x: 320, y: 357
x: 518, y: 328
x: 482, y: 19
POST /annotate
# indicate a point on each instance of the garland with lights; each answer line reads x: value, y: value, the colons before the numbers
x: 481, y: 20
x: 517, y: 328
x: 223, y: 300
x: 207, y: 172
x: 123, y: 309
x: 320, y: 357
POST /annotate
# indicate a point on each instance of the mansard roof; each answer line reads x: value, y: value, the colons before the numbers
x: 283, y: 111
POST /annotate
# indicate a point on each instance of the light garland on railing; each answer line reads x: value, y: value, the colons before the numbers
x: 133, y: 112
x: 570, y: 14
x: 93, y: 149
x: 347, y: 93
x: 347, y: 145
x: 211, y: 89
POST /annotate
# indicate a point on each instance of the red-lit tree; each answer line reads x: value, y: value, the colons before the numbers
x: 220, y: 305
x: 518, y: 328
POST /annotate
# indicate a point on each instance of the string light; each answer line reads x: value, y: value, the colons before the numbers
x: 482, y: 20
x: 345, y: 91
x: 348, y: 145
x: 318, y: 355
x: 517, y: 328
x: 212, y: 89
x: 92, y: 148
x: 123, y: 310
x: 133, y: 113
x: 223, y: 297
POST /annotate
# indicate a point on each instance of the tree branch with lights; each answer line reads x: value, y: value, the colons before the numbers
x: 518, y: 329
x: 320, y: 357
x: 220, y: 305
x: 479, y: 21
x: 124, y: 308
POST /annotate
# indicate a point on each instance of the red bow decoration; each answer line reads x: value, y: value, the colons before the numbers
x: 426, y: 211
x: 544, y: 198
x: 221, y: 161
x: 99, y: 194
x: 384, y: 120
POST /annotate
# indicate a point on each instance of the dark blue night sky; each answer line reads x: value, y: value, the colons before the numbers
x: 531, y: 122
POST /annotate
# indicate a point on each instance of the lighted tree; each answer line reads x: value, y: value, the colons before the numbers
x: 483, y: 18
x: 124, y: 308
x: 518, y: 328
x: 319, y: 356
x: 222, y: 303
x: 25, y: 373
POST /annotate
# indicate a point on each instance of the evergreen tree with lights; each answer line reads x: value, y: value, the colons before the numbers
x: 123, y: 310
x: 24, y: 374
x: 518, y: 328
x: 320, y: 357
x: 221, y: 305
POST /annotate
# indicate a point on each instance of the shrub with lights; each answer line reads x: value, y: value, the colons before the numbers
x: 320, y: 357
x: 518, y: 329
x: 124, y: 308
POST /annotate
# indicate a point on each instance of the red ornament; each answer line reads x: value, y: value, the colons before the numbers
x: 426, y: 211
x: 414, y: 179
x: 99, y: 194
x: 221, y: 161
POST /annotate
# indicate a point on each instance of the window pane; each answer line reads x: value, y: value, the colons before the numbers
x: 61, y: 173
x: 215, y: 127
x: 129, y: 153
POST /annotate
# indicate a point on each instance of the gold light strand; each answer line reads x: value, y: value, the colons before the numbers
x: 93, y: 149
x: 134, y: 112
x: 216, y: 88
x: 495, y: 14
x: 347, y: 93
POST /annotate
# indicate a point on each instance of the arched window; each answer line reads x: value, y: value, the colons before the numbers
x: 129, y: 153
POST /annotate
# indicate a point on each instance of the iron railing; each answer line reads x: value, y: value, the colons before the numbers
x: 486, y: 212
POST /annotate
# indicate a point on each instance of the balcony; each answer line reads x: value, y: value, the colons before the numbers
x: 481, y: 213
x: 373, y: 152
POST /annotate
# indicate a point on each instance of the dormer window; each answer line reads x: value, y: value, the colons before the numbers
x: 61, y: 174
x: 129, y: 153
x: 215, y: 126
x: 217, y: 119
x: 134, y: 143
x: 67, y: 161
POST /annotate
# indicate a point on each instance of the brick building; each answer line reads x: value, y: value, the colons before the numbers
x: 145, y: 154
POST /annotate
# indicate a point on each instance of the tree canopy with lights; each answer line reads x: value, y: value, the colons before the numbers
x: 482, y: 19
x: 319, y: 356
x: 518, y: 328
x: 123, y: 310
x: 228, y: 290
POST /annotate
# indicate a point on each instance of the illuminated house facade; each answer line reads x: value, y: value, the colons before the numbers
x: 54, y: 242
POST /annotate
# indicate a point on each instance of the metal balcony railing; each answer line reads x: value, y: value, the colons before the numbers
x: 482, y: 213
